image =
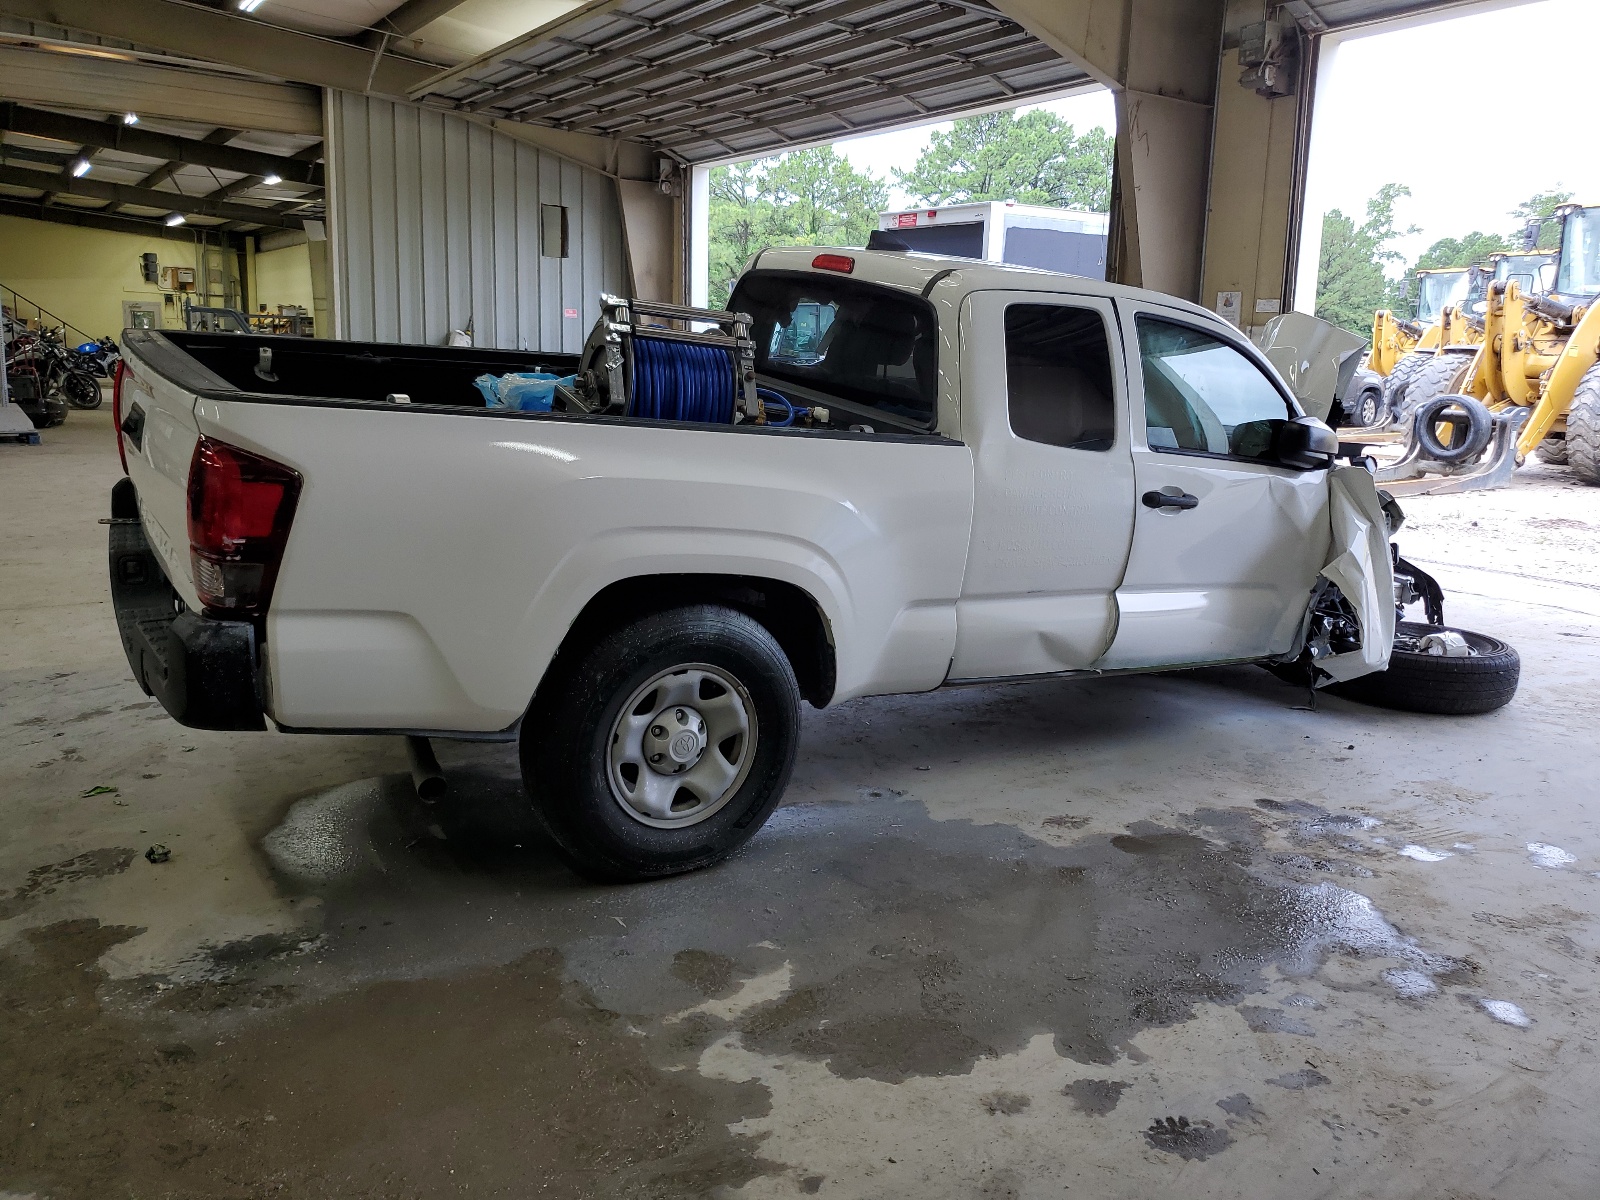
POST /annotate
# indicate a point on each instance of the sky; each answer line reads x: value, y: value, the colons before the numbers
x: 1398, y: 107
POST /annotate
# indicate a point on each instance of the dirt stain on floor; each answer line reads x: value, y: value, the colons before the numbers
x: 511, y: 1079
x: 470, y: 1006
x: 43, y: 880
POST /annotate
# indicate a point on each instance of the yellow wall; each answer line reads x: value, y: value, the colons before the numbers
x: 84, y: 275
x: 282, y: 277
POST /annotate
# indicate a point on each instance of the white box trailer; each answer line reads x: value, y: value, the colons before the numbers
x: 1025, y: 235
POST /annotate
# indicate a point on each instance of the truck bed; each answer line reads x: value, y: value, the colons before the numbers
x: 208, y: 363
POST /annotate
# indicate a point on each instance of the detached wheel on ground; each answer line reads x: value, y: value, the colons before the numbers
x: 1419, y: 681
x: 1583, y: 429
x: 665, y: 746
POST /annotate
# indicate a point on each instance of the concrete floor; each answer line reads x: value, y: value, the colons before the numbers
x: 1150, y: 937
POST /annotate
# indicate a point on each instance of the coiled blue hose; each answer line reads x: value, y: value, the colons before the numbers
x: 682, y: 381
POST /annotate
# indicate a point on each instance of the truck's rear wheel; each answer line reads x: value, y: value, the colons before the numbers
x: 1583, y: 429
x: 665, y: 746
x: 1417, y: 681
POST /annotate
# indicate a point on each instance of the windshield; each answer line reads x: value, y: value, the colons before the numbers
x: 1437, y: 292
x: 1524, y: 269
x: 859, y: 342
x: 1580, y: 255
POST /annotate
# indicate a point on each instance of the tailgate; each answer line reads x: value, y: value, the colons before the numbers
x: 159, y: 433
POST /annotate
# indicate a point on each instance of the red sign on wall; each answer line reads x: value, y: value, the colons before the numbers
x: 905, y: 220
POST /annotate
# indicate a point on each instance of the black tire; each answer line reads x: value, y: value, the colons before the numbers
x: 1583, y: 429
x: 1473, y: 441
x: 568, y: 734
x: 81, y: 390
x: 1443, y: 375
x: 1369, y: 409
x: 46, y: 413
x: 1394, y: 387
x: 1424, y: 683
x: 1553, y: 450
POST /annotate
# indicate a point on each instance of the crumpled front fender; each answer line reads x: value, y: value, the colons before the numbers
x: 1360, y: 566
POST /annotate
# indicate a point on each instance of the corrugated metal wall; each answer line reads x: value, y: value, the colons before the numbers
x: 435, y: 221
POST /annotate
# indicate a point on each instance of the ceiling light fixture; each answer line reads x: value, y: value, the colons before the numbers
x: 130, y: 118
x: 250, y: 5
x: 176, y: 218
x: 80, y: 166
x: 272, y: 180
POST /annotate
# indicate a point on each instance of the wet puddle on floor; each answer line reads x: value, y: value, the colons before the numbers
x: 472, y: 1002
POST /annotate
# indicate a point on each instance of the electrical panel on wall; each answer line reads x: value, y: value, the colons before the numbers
x: 177, y: 279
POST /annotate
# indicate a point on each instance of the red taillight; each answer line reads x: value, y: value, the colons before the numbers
x: 240, y: 508
x: 116, y: 411
x: 834, y: 262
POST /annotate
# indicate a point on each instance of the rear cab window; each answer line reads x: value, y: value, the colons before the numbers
x: 872, y: 350
x: 1059, y: 376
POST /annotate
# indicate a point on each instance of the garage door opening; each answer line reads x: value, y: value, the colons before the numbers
x: 1029, y: 185
x: 1383, y: 215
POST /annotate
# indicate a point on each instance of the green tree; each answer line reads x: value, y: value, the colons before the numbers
x: 1352, y: 280
x: 804, y: 198
x: 1538, y: 207
x: 820, y: 199
x: 1033, y: 158
x: 1476, y: 246
x: 1460, y: 252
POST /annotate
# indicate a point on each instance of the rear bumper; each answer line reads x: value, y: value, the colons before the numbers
x: 203, y: 671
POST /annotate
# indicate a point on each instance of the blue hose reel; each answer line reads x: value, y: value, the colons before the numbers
x: 667, y: 369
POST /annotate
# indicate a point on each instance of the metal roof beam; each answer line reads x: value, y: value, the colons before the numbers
x: 146, y: 143
x: 167, y: 170
x: 1030, y: 53
x: 800, y: 21
x: 410, y: 17
x: 13, y: 206
x: 836, y: 107
x: 225, y: 36
x: 121, y: 193
x: 885, y: 61
x: 858, y: 36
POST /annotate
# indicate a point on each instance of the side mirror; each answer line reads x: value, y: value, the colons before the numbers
x: 1307, y: 444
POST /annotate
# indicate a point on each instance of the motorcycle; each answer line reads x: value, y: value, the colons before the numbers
x: 47, y: 378
x: 99, y: 358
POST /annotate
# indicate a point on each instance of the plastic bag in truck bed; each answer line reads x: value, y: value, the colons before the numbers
x: 529, y: 392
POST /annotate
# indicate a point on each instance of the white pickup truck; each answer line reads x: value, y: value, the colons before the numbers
x: 879, y: 472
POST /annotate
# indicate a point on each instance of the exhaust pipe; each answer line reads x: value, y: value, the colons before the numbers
x: 427, y: 776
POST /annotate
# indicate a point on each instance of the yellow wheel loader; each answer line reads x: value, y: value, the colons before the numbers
x: 1441, y: 370
x: 1540, y: 352
x: 1532, y: 384
x: 1394, y: 337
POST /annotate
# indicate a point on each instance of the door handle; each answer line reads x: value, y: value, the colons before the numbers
x: 1163, y: 500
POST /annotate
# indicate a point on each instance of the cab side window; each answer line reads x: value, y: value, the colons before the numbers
x: 1058, y: 376
x: 1201, y: 396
